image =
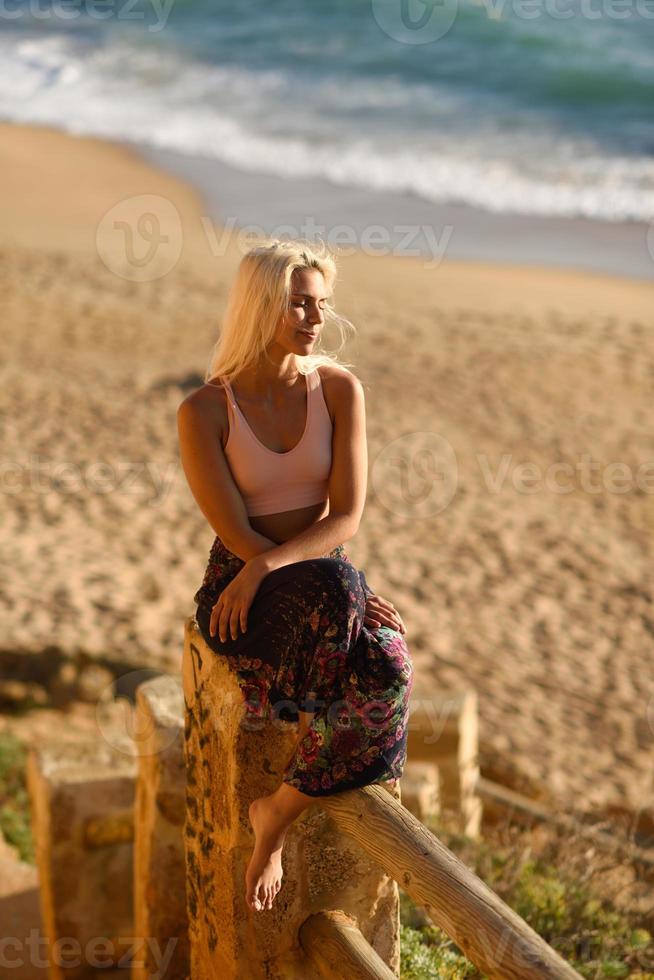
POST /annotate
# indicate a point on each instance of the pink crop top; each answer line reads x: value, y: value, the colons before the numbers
x: 272, y: 482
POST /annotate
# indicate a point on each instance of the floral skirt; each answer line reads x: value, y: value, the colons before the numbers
x: 307, y: 649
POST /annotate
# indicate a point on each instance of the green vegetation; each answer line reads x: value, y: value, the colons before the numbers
x: 14, y: 801
x: 554, y: 893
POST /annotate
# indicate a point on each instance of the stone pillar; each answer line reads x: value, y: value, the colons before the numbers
x: 232, y: 758
x: 443, y: 730
x: 421, y: 789
x: 159, y: 863
x: 82, y: 800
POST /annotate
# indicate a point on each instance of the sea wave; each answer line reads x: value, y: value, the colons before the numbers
x: 421, y: 140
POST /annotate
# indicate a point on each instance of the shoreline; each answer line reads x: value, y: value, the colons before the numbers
x: 136, y: 169
x: 406, y: 225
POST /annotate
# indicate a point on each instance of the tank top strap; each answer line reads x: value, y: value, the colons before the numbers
x: 230, y: 393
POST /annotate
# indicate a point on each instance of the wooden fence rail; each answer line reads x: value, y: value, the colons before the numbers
x: 488, y: 931
x: 337, y: 948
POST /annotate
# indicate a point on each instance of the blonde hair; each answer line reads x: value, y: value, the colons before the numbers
x: 260, y: 296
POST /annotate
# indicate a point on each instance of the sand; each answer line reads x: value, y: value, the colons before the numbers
x: 540, y: 600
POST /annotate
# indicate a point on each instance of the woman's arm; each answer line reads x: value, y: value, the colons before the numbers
x: 210, y: 478
x: 347, y: 480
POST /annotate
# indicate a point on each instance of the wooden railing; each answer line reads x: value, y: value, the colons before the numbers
x: 492, y: 936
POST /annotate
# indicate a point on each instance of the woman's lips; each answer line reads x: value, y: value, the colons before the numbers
x: 309, y: 336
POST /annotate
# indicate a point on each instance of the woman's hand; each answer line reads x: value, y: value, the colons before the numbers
x: 381, y: 612
x: 231, y: 608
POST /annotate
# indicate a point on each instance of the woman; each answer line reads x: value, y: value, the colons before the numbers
x: 274, y: 450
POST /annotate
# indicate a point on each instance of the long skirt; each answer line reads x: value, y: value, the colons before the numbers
x: 307, y: 648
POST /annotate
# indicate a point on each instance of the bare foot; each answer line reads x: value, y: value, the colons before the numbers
x: 263, y: 877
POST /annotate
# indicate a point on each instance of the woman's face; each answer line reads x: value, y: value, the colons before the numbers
x: 300, y: 327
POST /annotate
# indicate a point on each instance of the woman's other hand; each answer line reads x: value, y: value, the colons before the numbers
x: 381, y: 612
x: 230, y: 611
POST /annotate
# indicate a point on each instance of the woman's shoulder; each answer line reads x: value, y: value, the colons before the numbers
x: 337, y: 377
x: 209, y: 401
x: 339, y: 387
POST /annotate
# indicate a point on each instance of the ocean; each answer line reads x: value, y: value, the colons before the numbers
x: 522, y: 107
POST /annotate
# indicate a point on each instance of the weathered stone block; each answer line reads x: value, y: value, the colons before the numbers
x: 81, y: 798
x: 160, y: 919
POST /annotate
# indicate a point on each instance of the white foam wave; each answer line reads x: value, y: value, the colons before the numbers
x: 244, y: 118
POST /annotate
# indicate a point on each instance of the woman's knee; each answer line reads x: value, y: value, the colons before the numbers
x: 338, y: 573
x: 395, y: 657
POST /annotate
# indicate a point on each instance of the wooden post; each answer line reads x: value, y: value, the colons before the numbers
x: 500, y: 944
x: 337, y: 948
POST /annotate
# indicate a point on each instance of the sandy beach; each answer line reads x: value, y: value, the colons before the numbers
x: 532, y: 583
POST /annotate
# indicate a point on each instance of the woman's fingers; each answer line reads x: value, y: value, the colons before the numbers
x: 382, y: 612
x: 228, y: 624
x: 234, y: 621
x: 383, y: 619
x: 225, y: 619
x: 213, y: 619
x: 220, y: 617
